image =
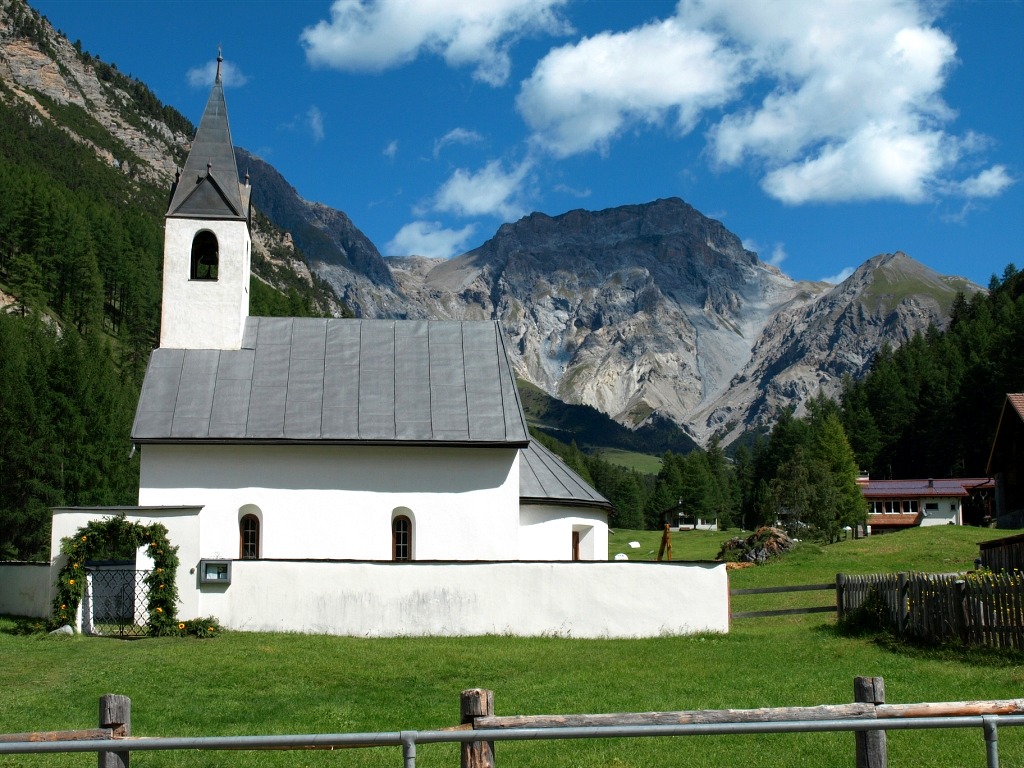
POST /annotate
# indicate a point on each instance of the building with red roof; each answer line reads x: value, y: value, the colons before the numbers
x: 898, y: 504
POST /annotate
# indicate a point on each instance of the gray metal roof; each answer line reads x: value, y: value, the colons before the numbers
x: 545, y: 478
x: 208, y: 186
x: 338, y: 381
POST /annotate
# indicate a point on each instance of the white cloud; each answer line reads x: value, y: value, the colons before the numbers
x: 988, y: 183
x: 315, y: 121
x: 827, y: 100
x: 429, y: 238
x: 374, y: 35
x: 203, y: 77
x: 878, y: 161
x: 581, y: 96
x: 838, y: 278
x: 491, y: 191
x: 572, y: 191
x: 391, y: 150
x: 457, y: 136
x: 778, y: 255
x: 855, y: 109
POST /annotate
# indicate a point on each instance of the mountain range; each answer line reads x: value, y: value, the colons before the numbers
x: 650, y: 313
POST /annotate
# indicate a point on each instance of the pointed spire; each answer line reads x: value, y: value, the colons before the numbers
x: 211, y: 161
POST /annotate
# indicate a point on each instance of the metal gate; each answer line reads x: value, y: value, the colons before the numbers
x: 116, y: 602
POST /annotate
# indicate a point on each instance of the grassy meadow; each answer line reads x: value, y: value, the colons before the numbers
x: 242, y: 683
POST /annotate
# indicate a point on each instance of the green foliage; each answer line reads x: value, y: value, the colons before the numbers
x: 804, y: 476
x: 203, y: 628
x: 930, y: 408
x: 99, y: 537
x: 65, y: 418
x: 700, y: 484
x: 625, y: 488
x: 869, y: 618
x: 80, y: 250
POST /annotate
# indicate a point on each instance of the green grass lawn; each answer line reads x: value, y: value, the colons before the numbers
x: 641, y: 462
x: 248, y: 683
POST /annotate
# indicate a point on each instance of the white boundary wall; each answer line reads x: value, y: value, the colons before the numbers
x: 365, y: 599
x: 586, y: 600
x: 25, y: 589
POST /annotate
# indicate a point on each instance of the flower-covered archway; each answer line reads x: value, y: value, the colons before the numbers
x: 94, y: 540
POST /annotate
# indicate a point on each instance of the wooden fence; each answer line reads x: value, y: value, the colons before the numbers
x: 868, y: 718
x: 976, y: 608
x: 1003, y: 554
x: 831, y: 608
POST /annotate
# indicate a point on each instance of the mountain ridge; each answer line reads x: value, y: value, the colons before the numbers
x: 648, y: 311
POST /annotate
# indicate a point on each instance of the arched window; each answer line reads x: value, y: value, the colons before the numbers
x: 401, y: 538
x: 249, y: 537
x: 205, y: 256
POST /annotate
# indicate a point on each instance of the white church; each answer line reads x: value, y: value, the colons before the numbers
x: 362, y: 477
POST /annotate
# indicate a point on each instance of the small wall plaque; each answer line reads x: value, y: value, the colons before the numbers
x: 214, y: 571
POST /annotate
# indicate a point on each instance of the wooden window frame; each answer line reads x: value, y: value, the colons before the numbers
x: 249, y: 538
x: 401, y: 551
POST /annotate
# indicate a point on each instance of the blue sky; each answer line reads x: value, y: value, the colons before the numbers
x: 820, y: 132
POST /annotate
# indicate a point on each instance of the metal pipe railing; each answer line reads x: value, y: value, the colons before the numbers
x: 408, y: 740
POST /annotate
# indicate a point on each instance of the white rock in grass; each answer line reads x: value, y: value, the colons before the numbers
x: 634, y: 544
x: 622, y: 556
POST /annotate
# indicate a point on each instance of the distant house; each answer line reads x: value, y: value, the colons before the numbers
x: 682, y: 518
x: 897, y: 504
x: 1006, y: 463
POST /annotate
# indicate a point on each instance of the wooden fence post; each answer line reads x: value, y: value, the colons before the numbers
x: 476, y: 702
x: 116, y: 714
x: 840, y: 595
x: 902, y: 609
x: 871, y: 746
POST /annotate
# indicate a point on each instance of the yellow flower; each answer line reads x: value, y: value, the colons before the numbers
x: 159, y: 609
x: 71, y: 581
x: 161, y: 586
x: 210, y: 629
x: 153, y: 544
x: 83, y: 538
x: 74, y: 565
x: 63, y: 607
x: 181, y: 626
x: 159, y: 570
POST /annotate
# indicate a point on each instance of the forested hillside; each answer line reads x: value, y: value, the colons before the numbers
x: 81, y: 244
x: 930, y: 408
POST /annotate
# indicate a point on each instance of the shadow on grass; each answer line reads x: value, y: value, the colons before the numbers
x: 951, y: 650
x: 22, y: 625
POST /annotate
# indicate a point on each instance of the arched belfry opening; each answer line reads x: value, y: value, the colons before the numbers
x: 205, y: 256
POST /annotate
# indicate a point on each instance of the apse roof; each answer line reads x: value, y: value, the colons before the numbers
x: 306, y: 380
x: 545, y: 478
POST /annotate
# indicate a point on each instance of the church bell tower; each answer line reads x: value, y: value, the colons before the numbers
x: 207, y: 245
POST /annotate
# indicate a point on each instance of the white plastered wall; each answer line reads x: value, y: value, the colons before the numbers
x: 545, y: 531
x: 205, y: 314
x: 337, y: 502
x: 595, y: 600
x: 25, y: 589
x: 183, y: 532
x: 948, y: 511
